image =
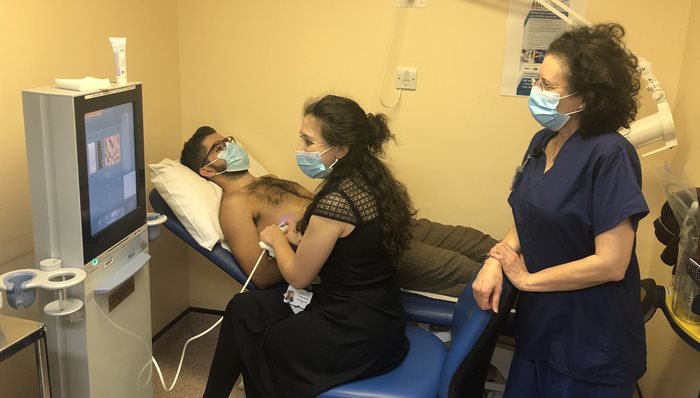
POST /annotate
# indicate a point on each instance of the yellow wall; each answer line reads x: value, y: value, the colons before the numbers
x: 42, y: 40
x: 674, y: 369
x: 246, y: 68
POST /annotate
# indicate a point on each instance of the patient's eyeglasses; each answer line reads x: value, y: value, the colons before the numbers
x: 217, y: 147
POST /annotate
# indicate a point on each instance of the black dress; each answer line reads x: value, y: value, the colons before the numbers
x: 353, y: 328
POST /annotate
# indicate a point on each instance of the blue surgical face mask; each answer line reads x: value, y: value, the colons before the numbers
x: 235, y: 156
x: 543, y: 107
x: 312, y: 165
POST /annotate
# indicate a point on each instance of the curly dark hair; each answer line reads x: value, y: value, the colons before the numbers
x: 343, y: 122
x: 193, y: 152
x: 604, y: 73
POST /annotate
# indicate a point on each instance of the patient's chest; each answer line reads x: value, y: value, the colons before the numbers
x: 266, y: 214
x: 275, y: 201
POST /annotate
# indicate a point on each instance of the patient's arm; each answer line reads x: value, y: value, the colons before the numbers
x: 237, y: 219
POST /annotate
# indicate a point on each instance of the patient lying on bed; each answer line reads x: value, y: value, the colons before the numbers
x: 441, y: 258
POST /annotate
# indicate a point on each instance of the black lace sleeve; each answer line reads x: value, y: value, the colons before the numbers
x: 350, y: 202
x: 336, y: 206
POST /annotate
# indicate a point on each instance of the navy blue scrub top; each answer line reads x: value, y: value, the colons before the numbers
x: 594, y: 334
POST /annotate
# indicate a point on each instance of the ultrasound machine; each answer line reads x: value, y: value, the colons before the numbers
x: 85, y: 155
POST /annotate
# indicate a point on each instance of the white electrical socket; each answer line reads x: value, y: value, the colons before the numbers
x: 411, y: 3
x: 406, y: 78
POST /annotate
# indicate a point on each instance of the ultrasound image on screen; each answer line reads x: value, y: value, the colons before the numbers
x: 111, y: 164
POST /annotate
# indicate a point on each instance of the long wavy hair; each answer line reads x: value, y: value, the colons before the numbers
x: 343, y: 122
x: 603, y: 72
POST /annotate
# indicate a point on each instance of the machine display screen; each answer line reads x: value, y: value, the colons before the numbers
x: 111, y: 177
x: 111, y: 164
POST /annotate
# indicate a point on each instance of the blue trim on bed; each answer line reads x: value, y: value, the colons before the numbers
x: 417, y: 308
x: 218, y: 255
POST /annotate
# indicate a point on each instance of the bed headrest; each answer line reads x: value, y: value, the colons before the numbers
x: 194, y: 200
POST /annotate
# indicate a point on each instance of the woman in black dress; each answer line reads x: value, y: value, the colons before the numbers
x: 350, y: 236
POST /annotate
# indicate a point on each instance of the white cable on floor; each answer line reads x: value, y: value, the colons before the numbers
x: 182, y: 357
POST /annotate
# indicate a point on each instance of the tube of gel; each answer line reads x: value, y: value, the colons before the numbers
x: 119, y: 52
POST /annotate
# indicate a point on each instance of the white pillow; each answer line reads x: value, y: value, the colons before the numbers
x: 194, y: 199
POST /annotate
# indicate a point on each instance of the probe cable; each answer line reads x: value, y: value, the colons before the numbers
x: 182, y: 357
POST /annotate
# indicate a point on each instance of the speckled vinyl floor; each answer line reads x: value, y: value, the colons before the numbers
x: 195, y: 368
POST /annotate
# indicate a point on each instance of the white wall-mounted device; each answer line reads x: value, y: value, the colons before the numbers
x: 649, y: 129
x: 406, y: 78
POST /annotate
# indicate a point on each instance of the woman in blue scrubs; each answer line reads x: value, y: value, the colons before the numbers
x: 576, y: 202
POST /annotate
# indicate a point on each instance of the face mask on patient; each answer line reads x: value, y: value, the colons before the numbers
x: 312, y: 165
x: 235, y: 156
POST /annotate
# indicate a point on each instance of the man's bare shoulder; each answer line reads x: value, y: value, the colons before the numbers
x: 237, y: 195
x: 239, y: 201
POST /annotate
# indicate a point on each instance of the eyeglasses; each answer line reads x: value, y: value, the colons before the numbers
x: 542, y: 86
x: 217, y: 147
